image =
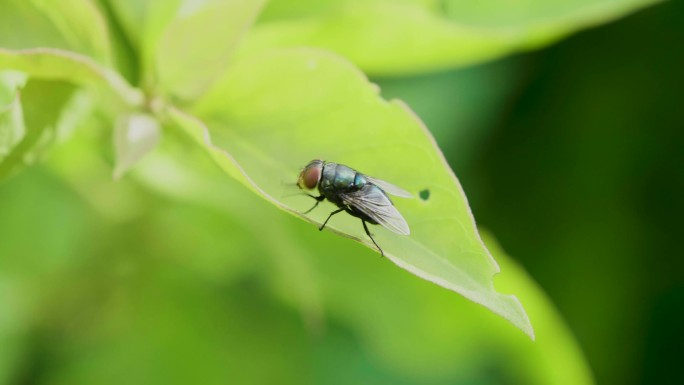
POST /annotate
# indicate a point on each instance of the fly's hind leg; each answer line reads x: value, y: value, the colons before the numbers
x: 318, y: 199
x: 382, y: 253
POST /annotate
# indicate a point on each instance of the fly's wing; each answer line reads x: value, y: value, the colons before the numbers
x: 373, y: 202
x: 389, y: 187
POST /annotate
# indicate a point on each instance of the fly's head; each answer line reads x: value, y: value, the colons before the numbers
x: 310, y: 175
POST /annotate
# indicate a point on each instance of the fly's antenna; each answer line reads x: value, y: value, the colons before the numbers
x: 290, y: 190
x: 290, y: 195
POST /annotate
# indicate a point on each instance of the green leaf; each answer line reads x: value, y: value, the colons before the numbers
x: 402, y: 37
x: 383, y: 303
x: 81, y: 24
x: 144, y: 21
x: 76, y: 25
x: 383, y: 38
x: 55, y: 64
x: 185, y: 44
x: 286, y: 9
x: 134, y: 136
x: 197, y: 45
x: 272, y: 113
x: 42, y: 103
x: 536, y: 22
x: 11, y: 118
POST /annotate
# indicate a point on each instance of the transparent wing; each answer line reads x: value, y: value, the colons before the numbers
x: 389, y: 187
x: 373, y: 202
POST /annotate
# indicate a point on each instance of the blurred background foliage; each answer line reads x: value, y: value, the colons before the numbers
x: 577, y: 168
x: 570, y: 155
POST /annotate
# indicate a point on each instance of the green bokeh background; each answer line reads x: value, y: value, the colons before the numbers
x: 571, y: 156
x: 577, y: 168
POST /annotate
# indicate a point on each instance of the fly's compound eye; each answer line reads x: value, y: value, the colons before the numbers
x: 309, y: 177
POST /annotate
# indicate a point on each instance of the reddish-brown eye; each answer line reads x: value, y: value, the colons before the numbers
x: 310, y: 176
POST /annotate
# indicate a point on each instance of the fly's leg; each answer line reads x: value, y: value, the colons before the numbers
x: 382, y: 253
x: 330, y: 216
x: 318, y: 199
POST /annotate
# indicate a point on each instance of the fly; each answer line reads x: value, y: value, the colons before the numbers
x: 359, y: 195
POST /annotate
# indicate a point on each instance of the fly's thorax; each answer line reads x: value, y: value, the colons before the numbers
x: 344, y: 178
x: 327, y: 176
x: 336, y: 179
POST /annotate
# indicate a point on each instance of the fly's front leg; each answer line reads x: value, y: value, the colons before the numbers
x: 318, y: 199
x: 329, y: 216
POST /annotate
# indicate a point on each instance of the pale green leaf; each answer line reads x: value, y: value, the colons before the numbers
x: 138, y: 32
x: 197, y: 45
x: 145, y: 20
x: 131, y: 15
x: 402, y: 37
x: 185, y: 44
x: 134, y: 136
x: 55, y: 64
x: 22, y: 26
x: 285, y: 9
x: 538, y: 20
x: 11, y: 117
x: 81, y: 24
x: 384, y: 38
x: 76, y: 25
x: 42, y: 103
x: 272, y: 113
x: 11, y: 126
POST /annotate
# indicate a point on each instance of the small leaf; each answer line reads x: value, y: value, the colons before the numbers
x: 537, y: 22
x: 131, y: 15
x: 11, y: 119
x: 197, y: 44
x: 75, y: 25
x: 134, y: 136
x: 272, y: 113
x: 404, y: 37
x: 383, y: 38
x: 55, y: 64
x: 42, y: 104
x: 81, y: 24
x: 185, y: 44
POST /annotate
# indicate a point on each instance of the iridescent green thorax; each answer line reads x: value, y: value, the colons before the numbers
x: 327, y: 177
x: 344, y: 177
x: 338, y: 177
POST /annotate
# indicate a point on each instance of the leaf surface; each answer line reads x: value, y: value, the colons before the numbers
x: 42, y: 103
x: 74, y: 25
x: 61, y: 65
x: 185, y: 44
x: 271, y: 114
x: 413, y: 36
